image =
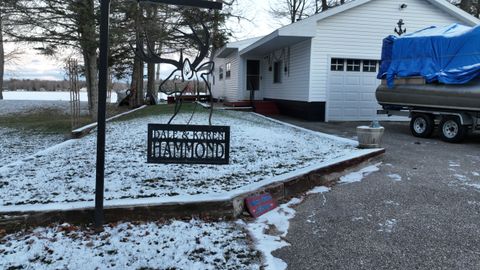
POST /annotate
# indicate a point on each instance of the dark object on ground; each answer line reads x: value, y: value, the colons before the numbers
x: 123, y: 97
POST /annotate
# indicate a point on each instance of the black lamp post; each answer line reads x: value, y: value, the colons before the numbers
x: 102, y: 88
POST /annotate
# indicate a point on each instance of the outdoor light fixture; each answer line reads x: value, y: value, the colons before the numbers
x: 403, y: 6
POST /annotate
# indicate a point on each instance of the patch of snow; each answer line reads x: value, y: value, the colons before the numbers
x: 269, y: 230
x: 475, y: 174
x: 17, y: 145
x: 357, y: 219
x: 178, y: 245
x: 453, y: 164
x: 395, y: 177
x: 477, y: 186
x: 319, y: 189
x: 359, y: 175
x: 262, y: 152
x: 388, y: 226
x: 348, y: 141
x: 392, y: 203
x: 461, y: 177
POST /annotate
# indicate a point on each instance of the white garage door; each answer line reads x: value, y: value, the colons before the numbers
x: 351, y: 90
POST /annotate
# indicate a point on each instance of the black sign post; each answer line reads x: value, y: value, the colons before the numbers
x: 102, y: 90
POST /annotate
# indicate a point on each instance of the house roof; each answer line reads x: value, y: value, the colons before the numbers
x: 305, y: 28
x: 236, y: 45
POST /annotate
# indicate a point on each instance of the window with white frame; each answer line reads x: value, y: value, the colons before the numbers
x: 370, y: 65
x: 337, y: 64
x: 228, y: 70
x: 353, y: 65
x: 220, y: 73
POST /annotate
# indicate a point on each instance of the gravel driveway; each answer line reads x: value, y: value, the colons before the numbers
x: 420, y: 211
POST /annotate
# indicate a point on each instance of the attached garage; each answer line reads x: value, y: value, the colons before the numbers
x: 351, y: 89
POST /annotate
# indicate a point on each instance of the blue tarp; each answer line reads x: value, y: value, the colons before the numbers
x: 450, y: 55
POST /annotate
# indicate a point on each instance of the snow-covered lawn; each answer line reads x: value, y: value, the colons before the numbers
x: 261, y: 150
x: 178, y: 245
x: 16, y: 144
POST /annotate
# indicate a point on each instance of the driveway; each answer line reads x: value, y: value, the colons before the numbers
x: 420, y: 211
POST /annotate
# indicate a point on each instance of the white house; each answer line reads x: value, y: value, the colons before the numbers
x: 324, y: 67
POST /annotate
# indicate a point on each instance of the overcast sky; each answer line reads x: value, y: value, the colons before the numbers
x: 34, y: 66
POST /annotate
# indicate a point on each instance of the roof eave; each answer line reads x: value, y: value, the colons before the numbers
x: 261, y: 41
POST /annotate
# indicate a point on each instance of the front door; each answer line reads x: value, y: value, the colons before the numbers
x: 253, y: 77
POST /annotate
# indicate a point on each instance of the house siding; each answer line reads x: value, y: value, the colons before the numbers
x: 227, y: 88
x: 358, y: 33
x: 295, y: 85
x: 218, y: 87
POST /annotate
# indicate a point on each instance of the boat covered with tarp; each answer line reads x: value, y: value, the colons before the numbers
x: 447, y: 61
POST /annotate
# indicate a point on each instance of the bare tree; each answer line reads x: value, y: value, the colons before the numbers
x: 2, y: 54
x: 54, y: 24
x: 294, y: 10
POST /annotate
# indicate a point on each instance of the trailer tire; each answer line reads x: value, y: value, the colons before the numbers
x: 452, y: 130
x: 422, y: 125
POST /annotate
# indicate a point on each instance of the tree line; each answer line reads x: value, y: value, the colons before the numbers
x: 50, y: 85
x: 52, y: 26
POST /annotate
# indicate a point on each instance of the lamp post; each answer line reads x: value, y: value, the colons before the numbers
x: 102, y: 88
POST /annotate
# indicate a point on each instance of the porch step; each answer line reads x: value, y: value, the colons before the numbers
x: 261, y: 107
x: 266, y: 107
x: 238, y: 104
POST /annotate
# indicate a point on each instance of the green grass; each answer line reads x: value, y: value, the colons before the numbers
x: 42, y: 121
x: 48, y: 121
x: 162, y: 109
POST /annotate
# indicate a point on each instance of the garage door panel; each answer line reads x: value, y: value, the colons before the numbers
x: 352, y: 80
x: 352, y: 96
x: 337, y: 96
x: 368, y: 96
x: 337, y: 79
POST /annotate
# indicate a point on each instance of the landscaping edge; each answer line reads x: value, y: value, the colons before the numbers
x: 228, y: 208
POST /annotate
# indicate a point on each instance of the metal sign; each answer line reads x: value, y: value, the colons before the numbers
x: 188, y: 144
x: 102, y: 90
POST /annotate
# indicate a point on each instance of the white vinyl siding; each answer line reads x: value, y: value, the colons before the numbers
x: 227, y: 88
x: 294, y: 83
x: 358, y: 33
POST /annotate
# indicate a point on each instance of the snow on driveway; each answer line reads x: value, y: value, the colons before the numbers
x: 178, y: 245
x: 260, y: 150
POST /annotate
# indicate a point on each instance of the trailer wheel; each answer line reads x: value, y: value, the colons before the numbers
x: 422, y: 125
x: 452, y: 130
